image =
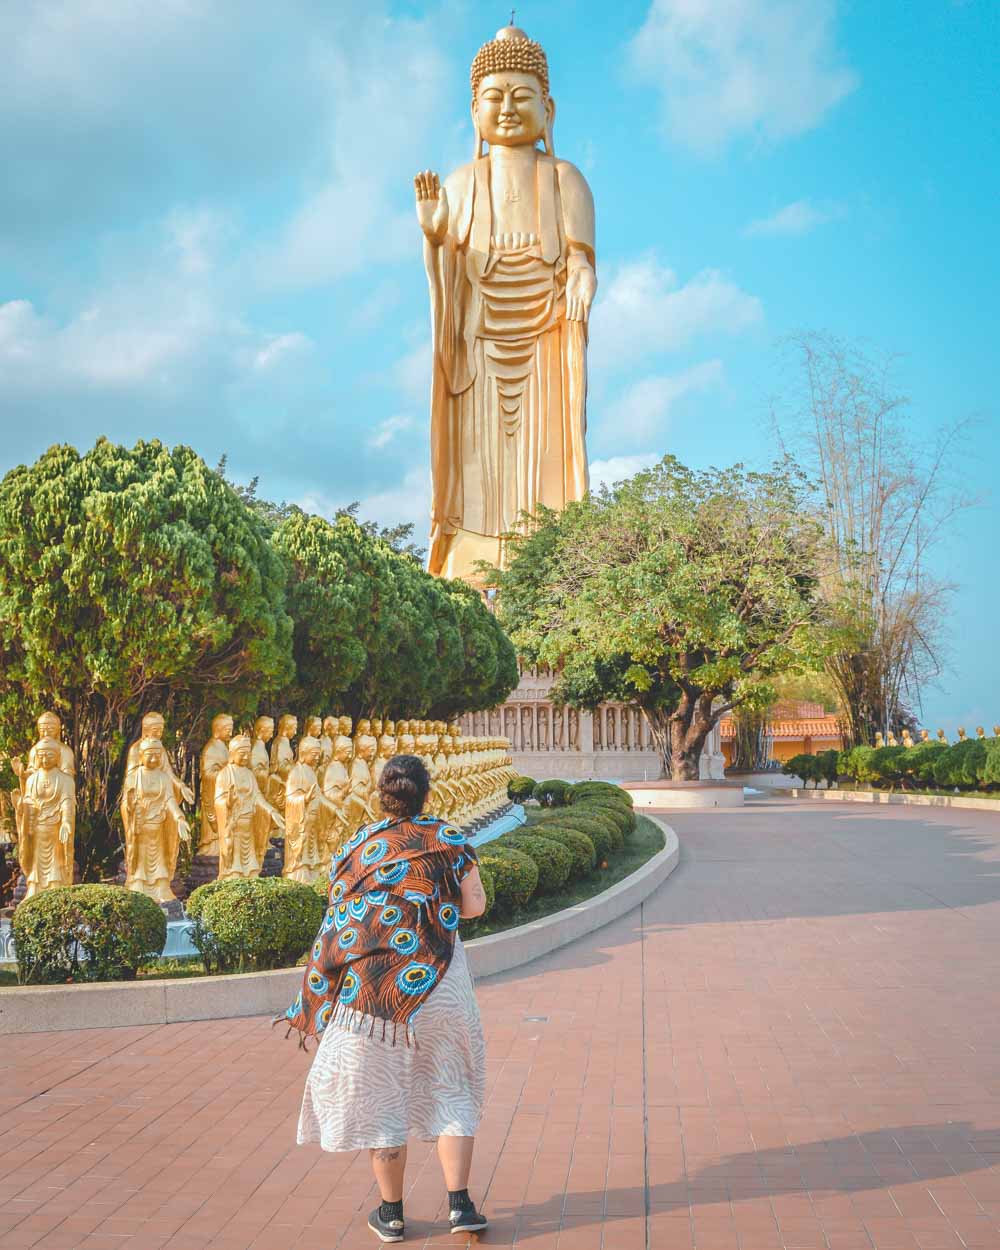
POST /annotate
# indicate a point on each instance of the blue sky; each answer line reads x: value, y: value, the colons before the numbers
x: 207, y: 234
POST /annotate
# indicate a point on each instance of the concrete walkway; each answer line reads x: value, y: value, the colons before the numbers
x: 795, y: 1043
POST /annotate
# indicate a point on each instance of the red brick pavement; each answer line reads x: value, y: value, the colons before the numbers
x: 793, y: 1044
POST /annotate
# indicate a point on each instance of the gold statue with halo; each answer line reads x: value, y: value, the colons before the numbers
x: 510, y: 259
x: 45, y: 816
x: 154, y: 824
x: 243, y: 816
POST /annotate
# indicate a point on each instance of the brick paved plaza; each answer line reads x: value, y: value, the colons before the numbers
x: 794, y: 1043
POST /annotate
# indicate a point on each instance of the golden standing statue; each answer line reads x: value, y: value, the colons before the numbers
x: 243, y: 816
x: 154, y: 824
x: 153, y: 726
x: 214, y: 758
x: 308, y: 814
x: 509, y: 253
x: 45, y: 814
x: 50, y: 727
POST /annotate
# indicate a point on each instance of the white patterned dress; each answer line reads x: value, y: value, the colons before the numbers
x: 364, y: 1093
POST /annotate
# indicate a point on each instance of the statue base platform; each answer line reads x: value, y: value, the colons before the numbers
x: 174, y: 910
x: 665, y: 795
x: 274, y: 858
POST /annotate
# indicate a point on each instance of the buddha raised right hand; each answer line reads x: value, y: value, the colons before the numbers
x: 432, y: 206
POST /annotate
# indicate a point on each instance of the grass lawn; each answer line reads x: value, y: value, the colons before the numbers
x: 640, y: 846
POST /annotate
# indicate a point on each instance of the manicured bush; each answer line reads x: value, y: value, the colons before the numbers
x: 801, y: 766
x: 520, y: 788
x: 578, y: 844
x: 241, y: 926
x: 582, y: 789
x: 553, y: 861
x: 515, y: 876
x: 885, y: 766
x: 552, y: 793
x: 599, y: 828
x: 623, y: 818
x: 489, y: 889
x: 857, y: 764
x: 87, y: 933
x: 962, y: 764
x: 919, y: 762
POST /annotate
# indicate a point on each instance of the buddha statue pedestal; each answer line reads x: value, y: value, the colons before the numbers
x: 274, y: 858
x: 204, y: 868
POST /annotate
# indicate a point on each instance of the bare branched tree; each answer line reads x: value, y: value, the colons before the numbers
x: 886, y: 498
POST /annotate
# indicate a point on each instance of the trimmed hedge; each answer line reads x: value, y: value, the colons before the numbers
x: 553, y: 861
x: 605, y: 788
x: 486, y: 877
x: 971, y: 764
x: 520, y: 788
x: 552, y: 793
x: 87, y: 933
x: 623, y: 818
x: 514, y: 874
x: 602, y: 831
x: 246, y: 926
x: 824, y: 766
x: 578, y: 844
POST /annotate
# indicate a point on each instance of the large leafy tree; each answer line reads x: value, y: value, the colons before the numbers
x: 487, y: 672
x: 684, y: 591
x: 131, y: 579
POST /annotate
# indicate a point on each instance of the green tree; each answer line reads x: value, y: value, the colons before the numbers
x: 488, y: 670
x: 131, y: 579
x: 685, y: 591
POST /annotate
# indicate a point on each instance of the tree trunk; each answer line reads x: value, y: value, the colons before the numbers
x: 680, y: 735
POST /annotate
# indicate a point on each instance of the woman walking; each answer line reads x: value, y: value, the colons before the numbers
x: 388, y: 949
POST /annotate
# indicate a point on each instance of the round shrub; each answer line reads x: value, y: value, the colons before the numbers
x: 552, y: 793
x: 87, y: 933
x: 623, y: 818
x: 242, y: 926
x: 605, y: 835
x: 520, y: 788
x: 578, y: 844
x: 919, y: 761
x: 489, y: 889
x: 584, y: 789
x: 514, y: 874
x: 553, y: 861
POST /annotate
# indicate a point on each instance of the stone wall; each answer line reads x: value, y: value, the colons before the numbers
x: 612, y: 743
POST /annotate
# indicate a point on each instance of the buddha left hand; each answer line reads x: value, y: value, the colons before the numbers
x: 581, y: 287
x: 64, y: 833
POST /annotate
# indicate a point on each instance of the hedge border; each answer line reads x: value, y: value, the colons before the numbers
x: 109, y: 1004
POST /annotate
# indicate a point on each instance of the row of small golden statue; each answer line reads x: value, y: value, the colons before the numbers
x: 907, y: 738
x: 314, y: 795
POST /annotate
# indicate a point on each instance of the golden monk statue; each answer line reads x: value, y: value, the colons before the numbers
x: 405, y: 740
x: 308, y: 814
x: 243, y: 816
x: 384, y: 751
x: 336, y: 786
x: 153, y: 725
x: 263, y: 732
x: 154, y: 824
x: 509, y: 253
x: 214, y: 758
x: 358, y: 806
x: 45, y: 815
x: 49, y: 727
x: 331, y: 728
x: 282, y: 755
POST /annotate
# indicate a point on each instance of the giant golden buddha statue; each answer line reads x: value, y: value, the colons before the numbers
x: 509, y: 252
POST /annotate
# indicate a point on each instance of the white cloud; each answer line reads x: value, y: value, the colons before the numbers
x: 640, y: 411
x: 387, y: 430
x: 643, y: 310
x: 799, y: 217
x: 618, y: 468
x: 726, y: 68
x: 409, y: 501
x: 280, y: 348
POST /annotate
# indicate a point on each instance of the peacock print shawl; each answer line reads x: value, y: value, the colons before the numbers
x: 389, y: 931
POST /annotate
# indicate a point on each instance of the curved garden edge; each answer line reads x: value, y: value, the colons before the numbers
x: 886, y: 796
x: 51, y: 1008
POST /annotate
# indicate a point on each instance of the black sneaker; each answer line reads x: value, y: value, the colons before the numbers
x: 385, y: 1230
x: 469, y: 1221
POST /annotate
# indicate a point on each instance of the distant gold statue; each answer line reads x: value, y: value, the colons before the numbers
x: 509, y: 253
x: 49, y: 727
x: 925, y: 735
x: 308, y: 813
x: 879, y: 741
x: 154, y: 824
x: 980, y: 732
x: 907, y: 739
x: 243, y: 816
x: 941, y: 736
x: 962, y: 735
x: 263, y: 732
x: 214, y: 758
x: 336, y: 786
x: 283, y: 757
x: 45, y: 815
x: 358, y: 804
x: 153, y: 725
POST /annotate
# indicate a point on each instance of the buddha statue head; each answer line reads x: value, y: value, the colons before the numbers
x: 152, y: 725
x: 151, y: 752
x: 49, y: 726
x: 376, y: 727
x: 331, y: 726
x: 239, y: 751
x: 980, y: 732
x: 346, y: 725
x: 365, y: 747
x: 222, y: 727
x: 288, y: 726
x: 387, y: 745
x: 313, y: 726
x: 389, y: 727
x: 263, y: 728
x: 343, y: 749
x: 364, y: 729
x: 47, y: 753
x: 309, y: 750
x: 511, y: 104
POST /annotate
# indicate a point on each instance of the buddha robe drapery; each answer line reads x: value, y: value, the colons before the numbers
x: 509, y: 385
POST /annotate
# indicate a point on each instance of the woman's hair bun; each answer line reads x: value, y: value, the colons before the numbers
x: 403, y: 786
